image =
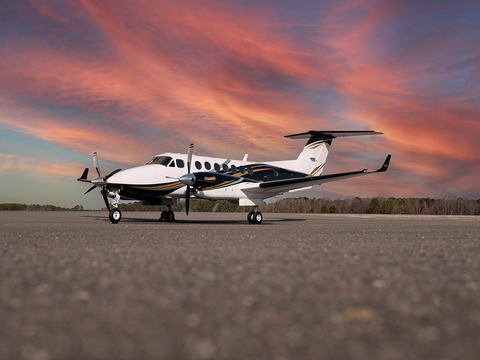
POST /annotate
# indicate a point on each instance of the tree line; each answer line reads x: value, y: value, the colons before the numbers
x: 36, y: 207
x: 445, y: 205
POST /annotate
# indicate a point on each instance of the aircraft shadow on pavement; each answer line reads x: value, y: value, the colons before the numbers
x: 186, y: 221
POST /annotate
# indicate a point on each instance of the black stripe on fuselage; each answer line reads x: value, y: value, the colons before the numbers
x: 146, y: 191
x: 265, y: 172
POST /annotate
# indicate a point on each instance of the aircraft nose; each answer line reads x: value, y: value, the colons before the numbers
x: 141, y: 175
x: 122, y: 177
x: 114, y: 179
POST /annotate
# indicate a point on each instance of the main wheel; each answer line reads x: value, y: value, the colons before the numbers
x: 115, y: 215
x: 163, y: 215
x: 170, y: 216
x: 250, y: 217
x: 257, y: 218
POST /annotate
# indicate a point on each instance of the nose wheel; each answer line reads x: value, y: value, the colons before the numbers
x: 115, y: 215
x: 255, y: 217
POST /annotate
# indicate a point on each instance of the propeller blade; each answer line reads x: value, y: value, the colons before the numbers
x: 95, y: 163
x: 188, y: 179
x: 93, y: 187
x: 189, y: 157
x: 187, y: 199
x: 104, y: 193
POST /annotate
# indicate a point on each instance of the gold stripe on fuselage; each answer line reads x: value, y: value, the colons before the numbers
x: 218, y: 185
x: 158, y: 186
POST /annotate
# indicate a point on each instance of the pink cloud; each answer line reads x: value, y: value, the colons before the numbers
x: 41, y: 170
x: 231, y: 77
x: 428, y: 125
x: 153, y: 85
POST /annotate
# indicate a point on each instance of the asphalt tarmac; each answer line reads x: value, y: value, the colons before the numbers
x: 210, y: 286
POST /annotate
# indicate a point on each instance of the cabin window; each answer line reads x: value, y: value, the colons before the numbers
x: 225, y: 167
x: 180, y: 163
x: 242, y: 169
x: 207, y: 165
x: 233, y: 168
x: 217, y: 167
x: 250, y: 170
x: 198, y: 165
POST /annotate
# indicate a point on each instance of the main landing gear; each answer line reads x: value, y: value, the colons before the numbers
x: 167, y: 215
x: 255, y: 217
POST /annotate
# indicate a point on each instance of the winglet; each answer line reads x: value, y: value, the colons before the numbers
x: 385, y: 164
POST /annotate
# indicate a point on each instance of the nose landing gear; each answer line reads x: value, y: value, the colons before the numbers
x: 115, y: 214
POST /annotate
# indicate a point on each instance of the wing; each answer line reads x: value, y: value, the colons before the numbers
x: 276, y: 187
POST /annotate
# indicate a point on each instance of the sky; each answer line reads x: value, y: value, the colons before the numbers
x: 132, y: 79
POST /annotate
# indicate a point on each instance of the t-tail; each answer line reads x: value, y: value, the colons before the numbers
x: 312, y: 159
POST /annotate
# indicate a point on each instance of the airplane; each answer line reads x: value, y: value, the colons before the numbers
x: 169, y: 176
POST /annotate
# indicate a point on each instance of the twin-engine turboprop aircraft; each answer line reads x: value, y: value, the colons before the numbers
x: 169, y: 176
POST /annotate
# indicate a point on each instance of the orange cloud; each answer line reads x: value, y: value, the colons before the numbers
x: 135, y: 79
x: 42, y: 170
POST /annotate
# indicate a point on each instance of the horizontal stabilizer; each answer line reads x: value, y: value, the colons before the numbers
x: 328, y: 135
x: 332, y: 134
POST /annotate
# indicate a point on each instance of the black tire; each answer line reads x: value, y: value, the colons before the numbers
x: 163, y: 215
x: 257, y: 218
x: 170, y: 216
x: 250, y: 217
x: 115, y: 215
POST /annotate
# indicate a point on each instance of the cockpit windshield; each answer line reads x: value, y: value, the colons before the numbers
x: 161, y: 160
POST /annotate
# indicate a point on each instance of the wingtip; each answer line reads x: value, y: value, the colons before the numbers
x: 386, y: 163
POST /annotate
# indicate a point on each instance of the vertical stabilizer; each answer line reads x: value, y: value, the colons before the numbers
x: 312, y: 159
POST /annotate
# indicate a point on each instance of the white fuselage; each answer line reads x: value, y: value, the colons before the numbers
x: 155, y: 179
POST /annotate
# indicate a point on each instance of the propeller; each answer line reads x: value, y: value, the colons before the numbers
x: 100, y: 181
x: 95, y: 163
x: 188, y: 179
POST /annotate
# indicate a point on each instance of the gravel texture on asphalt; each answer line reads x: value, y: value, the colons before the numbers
x: 211, y: 286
